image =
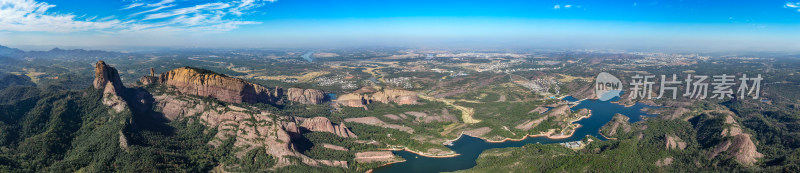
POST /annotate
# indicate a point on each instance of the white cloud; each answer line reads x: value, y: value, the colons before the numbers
x: 134, y: 5
x: 161, y: 3
x: 792, y: 5
x: 188, y: 10
x: 152, y: 10
x: 247, y: 5
x: 565, y: 6
x: 160, y: 16
x: 29, y: 15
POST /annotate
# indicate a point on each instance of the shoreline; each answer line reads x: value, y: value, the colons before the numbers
x: 410, y: 151
x: 385, y: 164
x: 601, y: 134
x: 546, y: 135
x: 419, y: 153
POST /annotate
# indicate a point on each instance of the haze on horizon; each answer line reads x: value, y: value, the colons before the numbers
x: 687, y: 25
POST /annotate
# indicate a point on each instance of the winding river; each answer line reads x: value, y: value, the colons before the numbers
x: 469, y: 148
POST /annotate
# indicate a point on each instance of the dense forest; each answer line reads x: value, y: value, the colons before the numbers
x: 55, y: 130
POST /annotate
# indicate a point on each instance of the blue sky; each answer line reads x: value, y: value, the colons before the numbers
x: 713, y: 25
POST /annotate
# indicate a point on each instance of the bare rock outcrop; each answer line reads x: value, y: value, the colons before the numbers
x: 201, y: 82
x: 305, y: 96
x: 351, y: 100
x: 322, y: 124
x: 559, y: 111
x: 539, y: 110
x: 206, y: 83
x: 673, y: 142
x: 375, y: 156
x: 741, y: 148
x: 106, y: 78
x: 617, y: 122
x: 401, y: 97
x: 249, y: 131
x: 335, y: 147
x: 187, y: 80
x: 249, y: 127
x: 479, y: 132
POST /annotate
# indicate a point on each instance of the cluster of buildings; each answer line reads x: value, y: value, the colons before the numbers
x: 480, y: 55
x: 540, y: 85
x: 402, y: 82
x: 668, y: 58
x: 495, y: 67
x: 572, y: 145
x: 336, y: 80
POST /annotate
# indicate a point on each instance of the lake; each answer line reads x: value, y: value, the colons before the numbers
x: 469, y: 148
x: 309, y: 56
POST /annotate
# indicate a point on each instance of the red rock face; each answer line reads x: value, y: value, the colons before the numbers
x: 105, y: 74
x: 147, y: 80
x: 401, y: 97
x: 305, y: 96
x: 107, y: 79
x: 202, y: 83
x: 322, y: 124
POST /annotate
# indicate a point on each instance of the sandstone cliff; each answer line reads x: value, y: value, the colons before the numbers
x: 375, y: 156
x: 673, y: 142
x: 322, y: 124
x: 740, y: 148
x: 305, y: 96
x: 401, y: 97
x: 201, y: 82
x: 351, y: 100
x: 618, y: 124
x: 106, y: 78
x: 249, y: 130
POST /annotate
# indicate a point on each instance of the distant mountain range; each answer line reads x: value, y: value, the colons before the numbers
x: 53, y: 53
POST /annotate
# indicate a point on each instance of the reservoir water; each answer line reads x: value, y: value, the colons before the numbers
x: 469, y: 148
x: 308, y: 56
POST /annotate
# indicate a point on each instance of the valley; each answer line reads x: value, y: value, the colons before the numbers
x: 383, y: 111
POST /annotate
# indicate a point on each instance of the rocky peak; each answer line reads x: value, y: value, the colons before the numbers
x: 106, y: 77
x: 207, y: 83
x: 305, y: 96
x: 351, y: 100
x: 673, y: 142
x: 401, y: 97
x: 322, y: 124
x: 736, y: 143
x: 210, y: 84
